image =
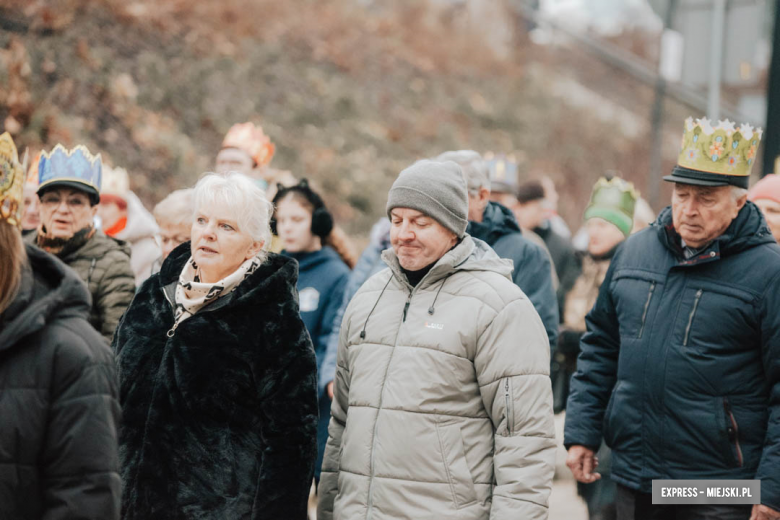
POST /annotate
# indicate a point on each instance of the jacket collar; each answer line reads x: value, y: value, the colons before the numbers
x: 445, y: 266
x: 270, y: 282
x: 749, y: 229
x: 497, y: 221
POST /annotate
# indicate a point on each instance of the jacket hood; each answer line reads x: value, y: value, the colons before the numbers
x: 49, y: 290
x: 314, y: 259
x: 278, y: 275
x: 140, y: 223
x: 746, y: 231
x: 471, y: 254
x: 497, y: 221
x: 97, y: 247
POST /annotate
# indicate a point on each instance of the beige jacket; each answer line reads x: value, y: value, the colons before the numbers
x: 443, y: 402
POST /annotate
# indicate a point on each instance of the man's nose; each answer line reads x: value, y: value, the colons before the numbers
x: 691, y: 208
x: 406, y: 232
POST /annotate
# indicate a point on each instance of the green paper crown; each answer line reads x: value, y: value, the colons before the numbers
x: 720, y: 150
x: 613, y: 200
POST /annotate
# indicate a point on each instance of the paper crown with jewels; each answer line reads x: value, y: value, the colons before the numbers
x: 252, y: 140
x: 502, y: 171
x: 11, y: 182
x: 716, y: 155
x: 76, y: 168
x: 613, y: 200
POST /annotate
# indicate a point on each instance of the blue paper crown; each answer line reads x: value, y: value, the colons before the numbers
x: 77, y: 165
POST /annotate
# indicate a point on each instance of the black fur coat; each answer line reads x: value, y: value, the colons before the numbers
x: 219, y: 421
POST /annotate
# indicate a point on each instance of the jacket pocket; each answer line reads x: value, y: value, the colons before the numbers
x: 732, y: 434
x: 510, y: 416
x: 646, y: 308
x: 458, y: 474
x: 691, y: 316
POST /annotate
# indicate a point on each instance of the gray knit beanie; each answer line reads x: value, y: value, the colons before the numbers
x: 437, y: 189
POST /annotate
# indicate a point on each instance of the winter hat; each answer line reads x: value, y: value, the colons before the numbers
x: 437, y: 189
x: 766, y: 188
x: 613, y: 200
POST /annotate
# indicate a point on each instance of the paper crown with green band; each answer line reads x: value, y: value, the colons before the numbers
x: 11, y: 182
x: 613, y: 200
x: 716, y: 155
x: 76, y: 168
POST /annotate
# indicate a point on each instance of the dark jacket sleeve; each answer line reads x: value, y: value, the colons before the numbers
x: 79, y: 459
x: 533, y: 276
x: 288, y: 396
x: 365, y: 268
x: 333, y: 309
x: 596, y: 373
x: 769, y: 467
x: 115, y: 292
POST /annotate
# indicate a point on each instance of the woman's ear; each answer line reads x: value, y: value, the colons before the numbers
x: 254, y: 249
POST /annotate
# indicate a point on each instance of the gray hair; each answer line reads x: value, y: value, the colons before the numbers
x: 252, y: 209
x: 175, y: 209
x: 474, y: 168
x: 737, y: 192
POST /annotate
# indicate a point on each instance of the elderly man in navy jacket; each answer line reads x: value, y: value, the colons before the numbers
x: 680, y: 368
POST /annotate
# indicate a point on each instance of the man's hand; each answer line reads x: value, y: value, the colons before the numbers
x: 764, y: 513
x: 582, y: 462
x: 329, y: 389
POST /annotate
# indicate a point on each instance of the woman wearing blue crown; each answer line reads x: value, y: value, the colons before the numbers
x: 69, y: 191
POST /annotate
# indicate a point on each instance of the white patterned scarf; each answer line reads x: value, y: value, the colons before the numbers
x: 192, y: 294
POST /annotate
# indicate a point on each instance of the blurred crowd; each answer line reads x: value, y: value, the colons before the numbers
x: 228, y: 354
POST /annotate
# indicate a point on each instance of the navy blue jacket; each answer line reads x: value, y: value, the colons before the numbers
x: 532, y: 269
x: 680, y: 367
x: 322, y: 276
x: 369, y: 263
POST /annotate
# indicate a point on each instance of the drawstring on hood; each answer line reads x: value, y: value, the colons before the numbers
x: 432, y: 308
x: 363, y: 332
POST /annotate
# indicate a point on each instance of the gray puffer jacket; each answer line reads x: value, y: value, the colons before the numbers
x: 443, y: 405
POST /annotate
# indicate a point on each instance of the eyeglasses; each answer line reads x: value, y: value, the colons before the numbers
x: 54, y: 201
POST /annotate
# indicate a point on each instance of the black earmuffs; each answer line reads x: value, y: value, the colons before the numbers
x: 321, y: 219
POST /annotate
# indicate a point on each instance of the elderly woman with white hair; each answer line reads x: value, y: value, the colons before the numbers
x: 218, y: 380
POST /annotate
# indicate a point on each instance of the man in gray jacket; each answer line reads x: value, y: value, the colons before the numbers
x: 442, y: 405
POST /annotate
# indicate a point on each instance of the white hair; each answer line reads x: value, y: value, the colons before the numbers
x: 737, y: 192
x: 475, y: 170
x: 175, y: 209
x: 252, y: 209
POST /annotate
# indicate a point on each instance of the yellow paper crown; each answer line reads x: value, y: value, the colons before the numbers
x: 719, y: 150
x: 11, y: 182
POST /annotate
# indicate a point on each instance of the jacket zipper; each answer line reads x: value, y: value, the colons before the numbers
x: 172, y: 330
x: 509, y: 412
x: 647, y: 307
x: 690, y: 318
x: 733, y: 430
x: 370, y: 501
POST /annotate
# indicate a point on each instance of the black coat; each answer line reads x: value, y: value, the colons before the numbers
x: 58, y: 402
x: 680, y: 367
x: 220, y: 420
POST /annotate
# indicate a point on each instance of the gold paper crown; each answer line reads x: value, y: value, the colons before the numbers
x: 32, y: 171
x: 11, y: 182
x: 719, y: 150
x: 115, y: 182
x: 252, y: 140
